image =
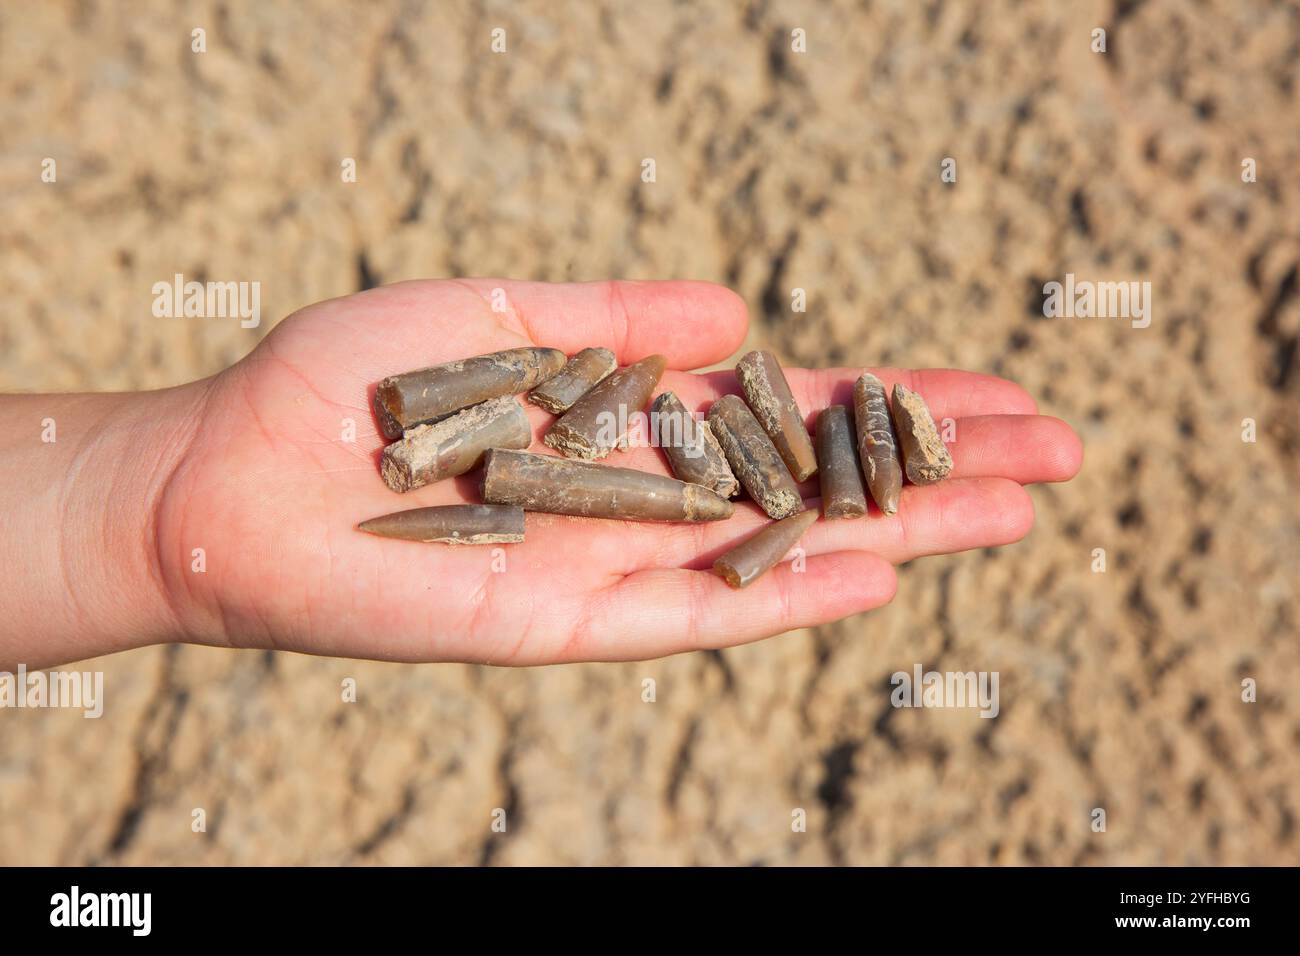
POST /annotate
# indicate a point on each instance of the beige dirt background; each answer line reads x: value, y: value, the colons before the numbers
x: 775, y: 170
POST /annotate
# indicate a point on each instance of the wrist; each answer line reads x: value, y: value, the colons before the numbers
x: 85, y: 478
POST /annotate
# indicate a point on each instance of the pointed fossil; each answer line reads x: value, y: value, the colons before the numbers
x: 560, y: 486
x: 751, y: 559
x: 691, y: 448
x: 876, y: 445
x: 452, y: 524
x: 427, y: 394
x: 769, y: 396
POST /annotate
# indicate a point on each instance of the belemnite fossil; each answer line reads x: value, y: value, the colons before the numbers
x: 447, y: 420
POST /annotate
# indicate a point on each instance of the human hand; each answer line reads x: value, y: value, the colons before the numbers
x: 272, y: 493
x: 223, y: 512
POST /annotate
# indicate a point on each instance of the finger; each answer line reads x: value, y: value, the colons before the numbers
x: 949, y: 393
x: 658, y: 612
x: 1024, y: 448
x: 954, y: 515
x: 690, y: 323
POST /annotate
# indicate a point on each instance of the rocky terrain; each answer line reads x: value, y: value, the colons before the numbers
x: 776, y: 170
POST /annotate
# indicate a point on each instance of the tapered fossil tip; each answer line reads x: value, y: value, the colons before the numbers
x: 380, y: 526
x: 705, y: 505
x: 656, y: 365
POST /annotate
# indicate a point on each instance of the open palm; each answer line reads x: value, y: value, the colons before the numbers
x: 271, y: 489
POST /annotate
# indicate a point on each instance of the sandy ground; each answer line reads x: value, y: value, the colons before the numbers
x: 775, y: 170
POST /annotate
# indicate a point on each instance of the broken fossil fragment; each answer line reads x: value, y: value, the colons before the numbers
x: 925, y: 457
x: 452, y: 446
x: 750, y: 559
x: 838, y: 471
x: 753, y: 458
x: 599, y: 421
x: 579, y: 376
x: 424, y: 395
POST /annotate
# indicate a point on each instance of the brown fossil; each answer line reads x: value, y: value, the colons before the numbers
x: 413, y: 398
x: 452, y: 446
x: 749, y: 560
x: 598, y: 422
x: 768, y: 394
x: 925, y: 457
x: 876, y: 445
x: 452, y: 524
x: 582, y: 373
x: 841, y: 478
x: 692, y: 450
x: 560, y: 486
x: 753, y: 458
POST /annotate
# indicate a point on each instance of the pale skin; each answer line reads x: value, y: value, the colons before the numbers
x: 251, y: 467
